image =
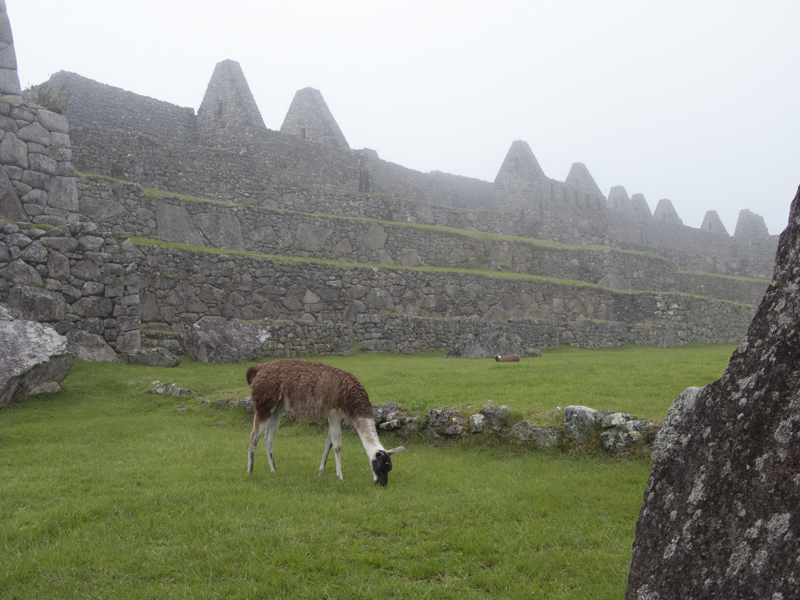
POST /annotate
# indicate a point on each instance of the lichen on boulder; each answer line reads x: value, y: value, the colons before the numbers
x: 720, y: 517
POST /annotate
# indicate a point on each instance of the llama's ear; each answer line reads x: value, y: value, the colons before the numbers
x: 395, y: 450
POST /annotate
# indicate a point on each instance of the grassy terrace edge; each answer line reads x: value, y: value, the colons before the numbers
x: 557, y: 246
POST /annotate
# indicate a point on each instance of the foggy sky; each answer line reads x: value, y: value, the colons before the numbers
x: 692, y: 101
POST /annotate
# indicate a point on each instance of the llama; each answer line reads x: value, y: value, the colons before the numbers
x: 312, y: 390
x: 506, y: 358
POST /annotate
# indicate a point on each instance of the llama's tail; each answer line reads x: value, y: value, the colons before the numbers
x: 251, y: 373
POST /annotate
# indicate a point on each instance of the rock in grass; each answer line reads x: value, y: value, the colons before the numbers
x: 720, y: 517
x: 496, y: 416
x: 218, y: 340
x: 579, y: 422
x: 524, y: 431
x: 153, y: 357
x: 33, y: 358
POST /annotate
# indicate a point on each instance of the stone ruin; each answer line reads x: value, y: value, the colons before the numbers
x: 720, y: 516
x: 253, y: 218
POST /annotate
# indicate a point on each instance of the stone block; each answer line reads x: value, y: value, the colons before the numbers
x: 36, y: 304
x: 34, y: 133
x: 13, y: 151
x: 63, y: 193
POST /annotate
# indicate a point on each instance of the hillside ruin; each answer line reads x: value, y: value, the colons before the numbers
x: 134, y: 218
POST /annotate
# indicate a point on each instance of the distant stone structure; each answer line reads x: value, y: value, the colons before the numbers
x: 9, y: 79
x: 720, y: 515
x: 221, y: 180
x: 170, y: 148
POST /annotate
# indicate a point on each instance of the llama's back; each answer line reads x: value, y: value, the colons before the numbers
x: 313, y: 390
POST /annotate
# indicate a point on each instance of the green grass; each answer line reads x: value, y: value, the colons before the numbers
x: 110, y: 492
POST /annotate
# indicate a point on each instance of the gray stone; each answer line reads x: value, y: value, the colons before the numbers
x: 18, y: 272
x: 33, y: 358
x: 524, y: 431
x: 10, y: 206
x: 497, y: 416
x: 128, y: 342
x: 86, y: 270
x: 175, y: 225
x: 90, y: 347
x: 614, y: 420
x: 153, y: 357
x: 9, y: 82
x: 579, y: 422
x: 311, y: 238
x: 34, y: 133
x: 720, y: 512
x: 477, y: 423
x: 218, y: 340
x: 489, y: 346
x: 8, y: 59
x: 36, y: 304
x: 439, y: 417
x: 63, y: 194
x: 92, y: 306
x: 221, y: 230
x: 53, y: 121
x: 13, y: 151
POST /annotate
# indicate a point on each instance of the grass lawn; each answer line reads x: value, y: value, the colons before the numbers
x: 110, y: 492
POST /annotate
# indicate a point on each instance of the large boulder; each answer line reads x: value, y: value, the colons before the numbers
x: 218, y: 340
x: 489, y: 346
x: 720, y: 517
x: 33, y: 358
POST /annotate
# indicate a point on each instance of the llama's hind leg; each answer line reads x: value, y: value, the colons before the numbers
x: 259, y: 425
x: 328, y: 446
x: 272, y: 426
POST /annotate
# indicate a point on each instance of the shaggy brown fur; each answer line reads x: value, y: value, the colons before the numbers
x: 506, y: 358
x: 314, y: 390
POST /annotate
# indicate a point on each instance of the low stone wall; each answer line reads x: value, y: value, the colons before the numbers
x: 123, y: 207
x: 739, y: 289
x: 73, y: 278
x: 179, y: 287
x: 408, y: 335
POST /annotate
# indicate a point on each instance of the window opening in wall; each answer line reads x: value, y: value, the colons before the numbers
x: 303, y: 133
x: 219, y: 110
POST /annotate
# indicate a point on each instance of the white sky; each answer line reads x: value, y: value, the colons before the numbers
x: 695, y: 101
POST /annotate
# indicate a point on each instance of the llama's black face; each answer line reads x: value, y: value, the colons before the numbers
x: 381, y: 465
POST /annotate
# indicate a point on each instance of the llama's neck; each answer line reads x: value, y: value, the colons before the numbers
x: 365, y: 427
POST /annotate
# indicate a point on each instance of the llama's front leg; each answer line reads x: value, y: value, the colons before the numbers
x: 258, y: 428
x: 328, y: 446
x: 272, y: 426
x: 335, y: 434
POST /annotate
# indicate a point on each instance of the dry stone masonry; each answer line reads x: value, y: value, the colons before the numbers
x: 248, y: 222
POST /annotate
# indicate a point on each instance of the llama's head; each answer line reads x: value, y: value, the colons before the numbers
x: 381, y: 464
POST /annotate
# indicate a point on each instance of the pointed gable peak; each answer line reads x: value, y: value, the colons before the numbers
x: 228, y: 111
x: 666, y: 212
x: 712, y: 222
x: 520, y: 164
x: 309, y: 118
x: 580, y: 177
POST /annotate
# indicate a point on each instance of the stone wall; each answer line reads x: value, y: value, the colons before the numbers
x: 180, y: 287
x: 38, y: 179
x: 253, y: 163
x: 749, y: 291
x: 93, y: 104
x: 121, y: 207
x: 408, y: 335
x: 75, y: 278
